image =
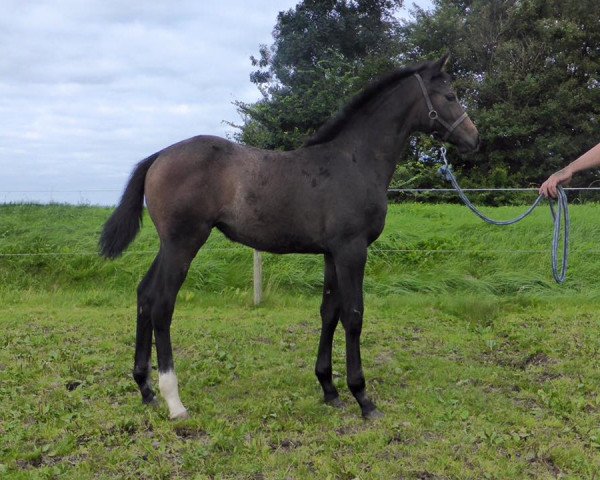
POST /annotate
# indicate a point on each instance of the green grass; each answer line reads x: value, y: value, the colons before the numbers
x: 424, y: 249
x: 483, y: 367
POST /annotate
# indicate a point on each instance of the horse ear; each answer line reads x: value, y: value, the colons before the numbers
x: 442, y: 62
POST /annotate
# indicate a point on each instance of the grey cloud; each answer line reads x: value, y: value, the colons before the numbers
x: 89, y: 88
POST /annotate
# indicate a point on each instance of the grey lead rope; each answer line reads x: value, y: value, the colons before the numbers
x: 557, y: 216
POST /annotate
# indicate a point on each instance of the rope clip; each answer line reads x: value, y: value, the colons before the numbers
x: 445, y: 171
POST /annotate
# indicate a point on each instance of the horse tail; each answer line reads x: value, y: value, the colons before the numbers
x: 124, y: 224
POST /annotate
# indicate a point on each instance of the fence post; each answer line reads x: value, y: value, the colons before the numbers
x: 257, y: 277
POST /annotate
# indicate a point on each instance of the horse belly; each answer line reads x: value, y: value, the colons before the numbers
x: 273, y: 230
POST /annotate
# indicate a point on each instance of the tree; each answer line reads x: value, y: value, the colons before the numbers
x: 529, y: 72
x: 324, y: 51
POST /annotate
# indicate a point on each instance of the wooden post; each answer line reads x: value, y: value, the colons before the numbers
x: 257, y: 277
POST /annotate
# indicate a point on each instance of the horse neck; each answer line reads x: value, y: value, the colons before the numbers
x: 378, y: 136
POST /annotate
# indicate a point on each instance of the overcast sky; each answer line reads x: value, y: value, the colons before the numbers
x: 90, y: 87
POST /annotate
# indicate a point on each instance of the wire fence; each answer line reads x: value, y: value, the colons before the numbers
x: 481, y: 190
x: 391, y: 190
x: 372, y: 249
x: 109, y: 196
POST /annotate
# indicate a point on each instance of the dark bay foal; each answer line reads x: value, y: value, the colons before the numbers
x: 328, y: 197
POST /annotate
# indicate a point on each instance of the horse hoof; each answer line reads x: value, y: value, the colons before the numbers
x: 183, y: 415
x: 152, y: 402
x: 335, y: 402
x: 373, y: 415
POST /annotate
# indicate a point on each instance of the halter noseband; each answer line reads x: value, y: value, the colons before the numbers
x: 433, y: 115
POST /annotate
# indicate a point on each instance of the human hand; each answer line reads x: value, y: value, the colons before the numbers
x: 549, y: 187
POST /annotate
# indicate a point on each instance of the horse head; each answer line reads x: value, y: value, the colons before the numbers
x: 440, y: 111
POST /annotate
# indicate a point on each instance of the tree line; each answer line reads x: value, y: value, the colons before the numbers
x: 528, y: 72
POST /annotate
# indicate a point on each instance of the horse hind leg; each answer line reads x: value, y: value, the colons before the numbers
x: 160, y: 293
x: 143, y: 343
x: 173, y: 267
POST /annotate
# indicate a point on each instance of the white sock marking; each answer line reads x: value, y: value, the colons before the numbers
x: 167, y: 383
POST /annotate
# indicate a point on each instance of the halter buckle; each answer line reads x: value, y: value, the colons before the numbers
x: 443, y: 152
x: 433, y: 114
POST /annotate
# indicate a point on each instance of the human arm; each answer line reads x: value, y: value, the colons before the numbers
x: 589, y: 159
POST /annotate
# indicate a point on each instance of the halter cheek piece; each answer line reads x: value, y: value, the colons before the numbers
x: 433, y: 115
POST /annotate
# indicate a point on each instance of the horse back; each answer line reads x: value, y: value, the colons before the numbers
x: 295, y: 201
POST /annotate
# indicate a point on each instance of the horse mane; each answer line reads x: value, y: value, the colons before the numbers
x: 332, y: 127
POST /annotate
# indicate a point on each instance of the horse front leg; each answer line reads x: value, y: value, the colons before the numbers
x: 350, y: 268
x: 330, y: 315
x: 142, y: 367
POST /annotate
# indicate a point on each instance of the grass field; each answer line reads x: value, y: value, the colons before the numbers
x: 483, y: 367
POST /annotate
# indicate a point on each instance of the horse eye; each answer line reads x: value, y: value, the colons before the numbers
x: 451, y: 97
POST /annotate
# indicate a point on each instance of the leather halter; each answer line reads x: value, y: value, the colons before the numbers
x: 433, y: 114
